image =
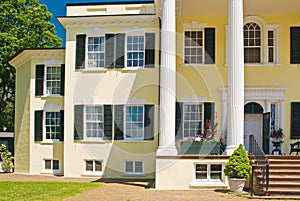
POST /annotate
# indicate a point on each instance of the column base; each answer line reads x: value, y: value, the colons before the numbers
x: 230, y: 149
x: 166, y: 151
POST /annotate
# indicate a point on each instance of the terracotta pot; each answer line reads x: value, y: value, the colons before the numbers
x: 236, y: 185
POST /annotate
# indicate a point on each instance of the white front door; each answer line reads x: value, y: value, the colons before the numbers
x: 253, y: 126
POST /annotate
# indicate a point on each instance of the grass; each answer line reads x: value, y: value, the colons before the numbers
x: 24, y: 190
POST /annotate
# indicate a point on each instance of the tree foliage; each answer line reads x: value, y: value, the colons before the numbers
x: 238, y: 165
x: 23, y: 24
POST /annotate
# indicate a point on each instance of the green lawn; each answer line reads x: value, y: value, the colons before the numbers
x: 23, y: 190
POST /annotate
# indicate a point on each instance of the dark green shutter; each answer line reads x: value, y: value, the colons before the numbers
x: 209, y: 45
x: 38, y: 126
x: 80, y: 51
x: 149, y: 122
x: 119, y: 122
x: 179, y: 121
x: 120, y: 50
x: 62, y: 123
x: 39, y: 79
x: 295, y: 45
x: 209, y: 112
x: 109, y: 50
x: 62, y: 79
x: 78, y: 122
x: 150, y: 50
x: 295, y: 120
x: 107, y: 122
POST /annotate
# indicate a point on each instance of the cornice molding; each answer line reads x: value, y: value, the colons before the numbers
x: 112, y: 21
x: 26, y: 55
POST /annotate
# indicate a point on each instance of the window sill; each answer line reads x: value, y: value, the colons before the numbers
x: 50, y: 142
x: 133, y: 175
x: 93, y: 70
x: 51, y: 172
x: 259, y: 65
x: 133, y: 68
x: 133, y: 140
x: 196, y: 65
x: 51, y: 96
x: 93, y: 141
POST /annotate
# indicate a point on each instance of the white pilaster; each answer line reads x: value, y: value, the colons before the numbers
x: 167, y: 80
x: 235, y: 135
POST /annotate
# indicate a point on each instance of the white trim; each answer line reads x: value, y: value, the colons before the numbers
x: 93, y: 52
x: 92, y: 139
x: 134, y: 173
x: 208, y: 181
x: 7, y: 134
x: 56, y: 171
x: 126, y: 51
x: 93, y: 172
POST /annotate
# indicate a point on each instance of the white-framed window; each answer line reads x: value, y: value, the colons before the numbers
x: 193, y: 119
x: 93, y: 166
x: 53, y: 80
x: 52, y: 125
x: 94, y: 122
x: 135, y: 51
x: 134, y: 122
x: 96, y: 52
x: 51, y: 165
x: 193, y: 47
x: 261, y: 42
x: 209, y: 172
x: 133, y: 167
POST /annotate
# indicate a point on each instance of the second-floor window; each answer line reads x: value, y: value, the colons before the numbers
x: 96, y: 52
x: 135, y: 51
x: 252, y: 43
x: 53, y: 79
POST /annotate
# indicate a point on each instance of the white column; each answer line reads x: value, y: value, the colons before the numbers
x: 167, y: 80
x: 235, y: 134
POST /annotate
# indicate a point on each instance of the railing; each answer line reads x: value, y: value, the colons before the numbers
x: 261, y: 162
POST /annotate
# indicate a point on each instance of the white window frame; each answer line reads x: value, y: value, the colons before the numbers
x: 87, y: 52
x: 264, y: 59
x: 203, y: 46
x: 125, y: 123
x: 208, y: 173
x: 85, y: 122
x: 134, y: 173
x: 51, y: 170
x: 183, y: 115
x: 94, y: 171
x: 126, y: 50
x: 46, y: 80
x: 44, y: 126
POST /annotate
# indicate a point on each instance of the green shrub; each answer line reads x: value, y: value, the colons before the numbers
x: 7, y: 158
x: 238, y: 165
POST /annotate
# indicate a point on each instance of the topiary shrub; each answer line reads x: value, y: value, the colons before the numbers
x: 7, y: 159
x: 238, y: 165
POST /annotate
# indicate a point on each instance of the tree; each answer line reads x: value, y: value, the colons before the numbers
x: 23, y: 24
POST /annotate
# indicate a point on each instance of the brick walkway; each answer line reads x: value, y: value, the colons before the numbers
x: 111, y: 191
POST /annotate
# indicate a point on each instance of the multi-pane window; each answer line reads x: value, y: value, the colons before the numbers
x: 93, y: 166
x: 96, y: 52
x: 51, y: 164
x: 252, y: 43
x: 193, y: 47
x: 53, y: 79
x: 208, y: 172
x: 134, y: 167
x: 52, y: 125
x: 271, y: 48
x: 134, y: 124
x: 193, y: 119
x: 94, y: 122
x: 135, y: 51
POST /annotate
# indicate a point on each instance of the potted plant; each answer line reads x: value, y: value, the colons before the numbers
x: 277, y: 136
x: 238, y: 169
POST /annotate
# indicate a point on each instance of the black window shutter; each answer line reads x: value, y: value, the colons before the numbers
x: 209, y: 112
x: 80, y: 51
x: 108, y: 122
x: 179, y: 121
x: 39, y: 79
x: 78, y: 122
x: 109, y: 50
x: 119, y: 122
x: 295, y: 120
x: 209, y: 45
x: 120, y: 49
x: 149, y: 122
x: 295, y: 45
x: 38, y: 126
x: 62, y: 123
x: 62, y: 79
x: 150, y: 50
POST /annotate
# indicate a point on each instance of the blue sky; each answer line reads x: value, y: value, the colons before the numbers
x: 58, y: 8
